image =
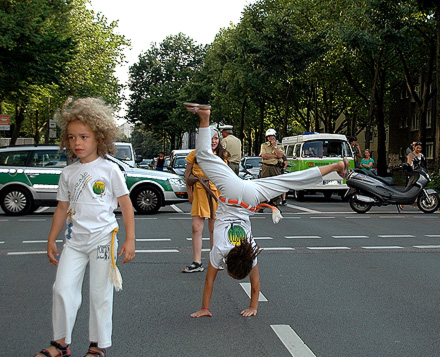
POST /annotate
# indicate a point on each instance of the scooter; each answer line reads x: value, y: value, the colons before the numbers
x: 367, y: 189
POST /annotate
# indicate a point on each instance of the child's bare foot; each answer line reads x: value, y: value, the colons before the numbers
x: 343, y: 169
x: 202, y: 110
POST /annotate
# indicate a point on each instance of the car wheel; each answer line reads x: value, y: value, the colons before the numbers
x: 16, y: 201
x: 328, y: 194
x: 146, y: 200
x: 299, y: 195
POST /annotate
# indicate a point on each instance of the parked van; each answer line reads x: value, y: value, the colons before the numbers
x: 125, y: 152
x: 318, y: 149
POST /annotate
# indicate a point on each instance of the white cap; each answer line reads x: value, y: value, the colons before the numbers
x: 225, y: 127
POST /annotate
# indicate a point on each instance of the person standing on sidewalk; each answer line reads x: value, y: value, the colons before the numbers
x: 232, y: 145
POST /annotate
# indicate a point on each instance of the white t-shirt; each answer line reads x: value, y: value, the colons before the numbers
x: 227, y: 234
x: 92, y: 190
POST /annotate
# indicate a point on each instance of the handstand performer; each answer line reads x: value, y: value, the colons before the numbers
x: 233, y: 240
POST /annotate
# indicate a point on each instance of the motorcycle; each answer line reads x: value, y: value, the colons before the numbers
x: 367, y: 189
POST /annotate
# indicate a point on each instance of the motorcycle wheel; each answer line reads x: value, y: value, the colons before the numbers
x: 359, y: 206
x: 428, y: 204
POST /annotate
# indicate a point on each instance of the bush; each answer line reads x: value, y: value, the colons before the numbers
x: 435, y: 183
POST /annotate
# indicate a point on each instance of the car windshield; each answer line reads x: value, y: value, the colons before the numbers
x: 325, y: 148
x: 180, y: 162
x: 123, y: 152
x: 254, y: 161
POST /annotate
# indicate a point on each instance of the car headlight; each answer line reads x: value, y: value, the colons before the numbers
x: 177, y: 182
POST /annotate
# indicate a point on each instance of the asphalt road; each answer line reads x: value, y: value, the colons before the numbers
x: 333, y: 283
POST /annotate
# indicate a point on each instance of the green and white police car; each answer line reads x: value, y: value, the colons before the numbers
x: 29, y: 179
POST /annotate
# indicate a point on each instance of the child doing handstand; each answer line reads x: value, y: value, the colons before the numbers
x: 88, y: 193
x: 240, y: 199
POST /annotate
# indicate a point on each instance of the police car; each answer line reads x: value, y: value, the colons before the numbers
x: 29, y: 179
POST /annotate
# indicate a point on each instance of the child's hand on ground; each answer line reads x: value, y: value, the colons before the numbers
x: 128, y: 249
x: 249, y: 312
x: 201, y: 313
x: 52, y: 251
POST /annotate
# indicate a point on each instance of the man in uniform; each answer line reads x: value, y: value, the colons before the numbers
x: 232, y: 145
x: 272, y: 154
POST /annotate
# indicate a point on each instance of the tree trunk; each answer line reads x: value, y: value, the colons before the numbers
x: 19, y: 119
x: 437, y: 126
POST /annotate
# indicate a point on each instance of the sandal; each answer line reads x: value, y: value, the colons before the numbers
x: 193, y: 268
x: 63, y: 351
x: 101, y: 353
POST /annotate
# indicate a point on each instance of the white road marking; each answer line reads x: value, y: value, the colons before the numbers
x: 396, y: 236
x: 358, y: 217
x: 328, y: 248
x: 41, y: 209
x: 279, y: 248
x: 202, y: 238
x: 302, y: 237
x: 40, y: 241
x: 27, y: 253
x: 284, y: 217
x: 426, y: 246
x: 2, y: 242
x: 322, y: 217
x: 308, y: 210
x: 177, y: 209
x: 292, y: 341
x: 153, y: 239
x: 392, y: 217
x: 432, y: 235
x: 262, y: 238
x: 338, y: 237
x: 176, y: 218
x: 32, y: 220
x: 145, y: 218
x: 156, y: 251
x: 247, y: 288
x: 383, y: 247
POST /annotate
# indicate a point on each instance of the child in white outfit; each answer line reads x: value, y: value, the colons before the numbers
x: 89, y: 191
x: 239, y: 199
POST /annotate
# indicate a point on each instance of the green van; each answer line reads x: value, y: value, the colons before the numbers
x: 318, y: 149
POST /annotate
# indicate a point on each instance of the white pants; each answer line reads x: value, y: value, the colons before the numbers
x: 67, y: 291
x: 251, y: 192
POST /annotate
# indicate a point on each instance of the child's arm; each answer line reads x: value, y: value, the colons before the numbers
x: 255, y: 293
x: 128, y: 215
x: 58, y: 221
x: 207, y: 292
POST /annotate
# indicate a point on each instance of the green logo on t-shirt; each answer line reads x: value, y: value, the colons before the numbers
x: 236, y: 235
x: 99, y: 188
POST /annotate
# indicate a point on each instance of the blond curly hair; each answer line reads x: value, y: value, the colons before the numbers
x: 93, y: 112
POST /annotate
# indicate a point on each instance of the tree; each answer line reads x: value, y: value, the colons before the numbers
x: 156, y: 81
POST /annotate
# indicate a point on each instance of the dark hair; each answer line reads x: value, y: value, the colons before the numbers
x: 352, y: 138
x: 240, y: 259
x: 220, y: 151
x: 418, y: 143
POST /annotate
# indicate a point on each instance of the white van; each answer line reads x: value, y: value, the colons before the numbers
x: 318, y: 149
x: 125, y: 152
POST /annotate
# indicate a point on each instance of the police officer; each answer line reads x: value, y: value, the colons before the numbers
x: 232, y: 145
x: 272, y: 154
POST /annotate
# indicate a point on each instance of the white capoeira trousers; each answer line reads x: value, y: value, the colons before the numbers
x: 67, y: 295
x: 251, y: 192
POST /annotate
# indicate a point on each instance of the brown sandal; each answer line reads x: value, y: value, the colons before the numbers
x: 101, y: 353
x: 63, y: 351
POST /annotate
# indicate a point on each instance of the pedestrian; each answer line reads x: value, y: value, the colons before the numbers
x: 89, y: 191
x: 203, y: 196
x: 160, y: 162
x: 416, y: 153
x: 232, y: 145
x: 239, y: 199
x: 367, y: 163
x: 356, y: 150
x: 272, y: 154
x: 284, y: 170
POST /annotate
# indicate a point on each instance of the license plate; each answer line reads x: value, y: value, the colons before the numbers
x: 332, y: 182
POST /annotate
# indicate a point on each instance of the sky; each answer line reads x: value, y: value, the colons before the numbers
x: 145, y: 21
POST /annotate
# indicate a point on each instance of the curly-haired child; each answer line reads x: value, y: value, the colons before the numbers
x: 89, y: 191
x: 240, y: 199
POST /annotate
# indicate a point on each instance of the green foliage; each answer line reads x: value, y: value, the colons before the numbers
x: 435, y: 183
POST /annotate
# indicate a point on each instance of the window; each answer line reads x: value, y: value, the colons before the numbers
x: 429, y: 154
x: 298, y: 150
x: 429, y: 119
x: 14, y: 158
x: 406, y: 122
x: 414, y: 122
x: 48, y: 158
